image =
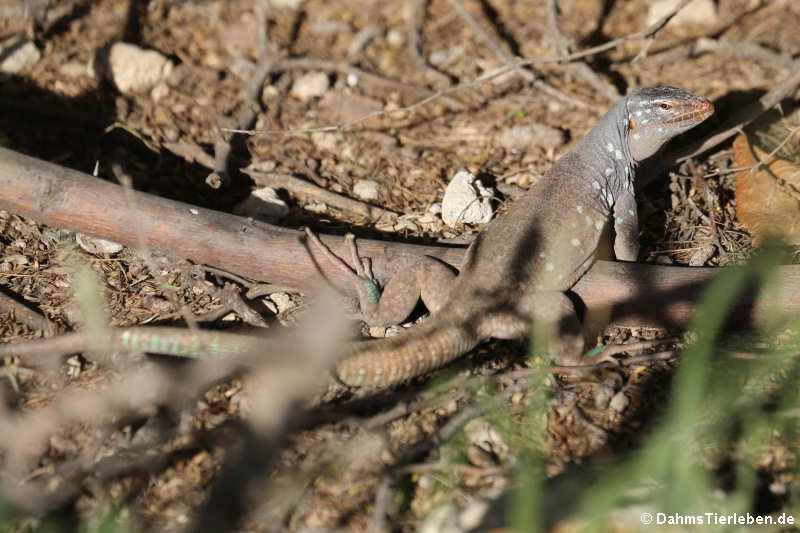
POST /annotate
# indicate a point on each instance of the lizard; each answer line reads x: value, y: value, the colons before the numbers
x: 516, y: 271
x: 518, y: 268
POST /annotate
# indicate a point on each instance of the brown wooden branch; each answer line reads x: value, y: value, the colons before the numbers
x: 630, y: 294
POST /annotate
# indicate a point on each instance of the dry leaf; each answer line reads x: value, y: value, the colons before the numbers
x: 767, y: 197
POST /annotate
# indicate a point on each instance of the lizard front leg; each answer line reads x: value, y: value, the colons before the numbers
x: 555, y: 322
x: 626, y: 228
x: 416, y: 277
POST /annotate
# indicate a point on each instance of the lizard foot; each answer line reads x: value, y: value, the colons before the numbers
x: 360, y: 275
x: 362, y: 270
x: 412, y: 277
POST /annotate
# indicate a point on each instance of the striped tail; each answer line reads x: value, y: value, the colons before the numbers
x: 385, y: 362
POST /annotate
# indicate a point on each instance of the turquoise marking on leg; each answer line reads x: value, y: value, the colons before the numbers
x: 373, y: 294
x: 133, y: 342
x: 596, y: 350
x: 215, y: 350
x: 125, y: 340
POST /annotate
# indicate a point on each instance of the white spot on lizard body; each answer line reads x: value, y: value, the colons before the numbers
x: 579, y: 208
x: 617, y: 154
x: 639, y: 113
x: 599, y: 224
x: 549, y: 267
x: 631, y: 213
x: 610, y: 147
x: 575, y: 242
x: 595, y: 184
x: 541, y: 254
x: 635, y: 136
x: 609, y: 171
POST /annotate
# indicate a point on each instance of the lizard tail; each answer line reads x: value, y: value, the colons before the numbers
x: 390, y: 361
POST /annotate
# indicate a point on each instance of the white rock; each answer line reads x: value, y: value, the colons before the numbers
x: 269, y: 92
x: 133, y: 69
x: 73, y: 69
x: 395, y: 38
x: 269, y: 305
x: 377, y: 332
x: 283, y: 301
x: 466, y: 200
x: 242, y: 68
x: 262, y: 203
x: 522, y: 179
x: 427, y: 218
x: 159, y: 91
x: 286, y: 4
x: 315, y: 207
x: 435, y: 209
x: 442, y: 519
x: 554, y: 106
x: 366, y: 189
x: 404, y: 224
x: 97, y: 246
x: 619, y: 402
x: 17, y: 55
x: 326, y: 140
x: 264, y: 166
x: 310, y: 85
x: 527, y: 136
x: 384, y: 225
x: 701, y: 12
x: 438, y: 57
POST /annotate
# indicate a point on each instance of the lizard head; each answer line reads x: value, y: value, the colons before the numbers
x: 656, y: 115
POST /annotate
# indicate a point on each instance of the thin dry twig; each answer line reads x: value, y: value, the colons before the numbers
x: 126, y: 182
x: 478, y: 82
x: 411, y: 91
x: 222, y: 147
x: 288, y: 182
x: 577, y: 68
x: 26, y: 315
x: 415, y: 49
x: 254, y: 288
x: 501, y: 54
x: 628, y: 361
x: 725, y: 48
x: 615, y: 349
x: 758, y: 163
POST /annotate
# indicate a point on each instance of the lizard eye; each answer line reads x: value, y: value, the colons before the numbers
x: 665, y: 107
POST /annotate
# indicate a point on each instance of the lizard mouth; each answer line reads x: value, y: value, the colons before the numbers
x: 694, y: 113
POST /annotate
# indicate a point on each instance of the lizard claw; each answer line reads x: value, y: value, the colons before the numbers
x: 363, y: 266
